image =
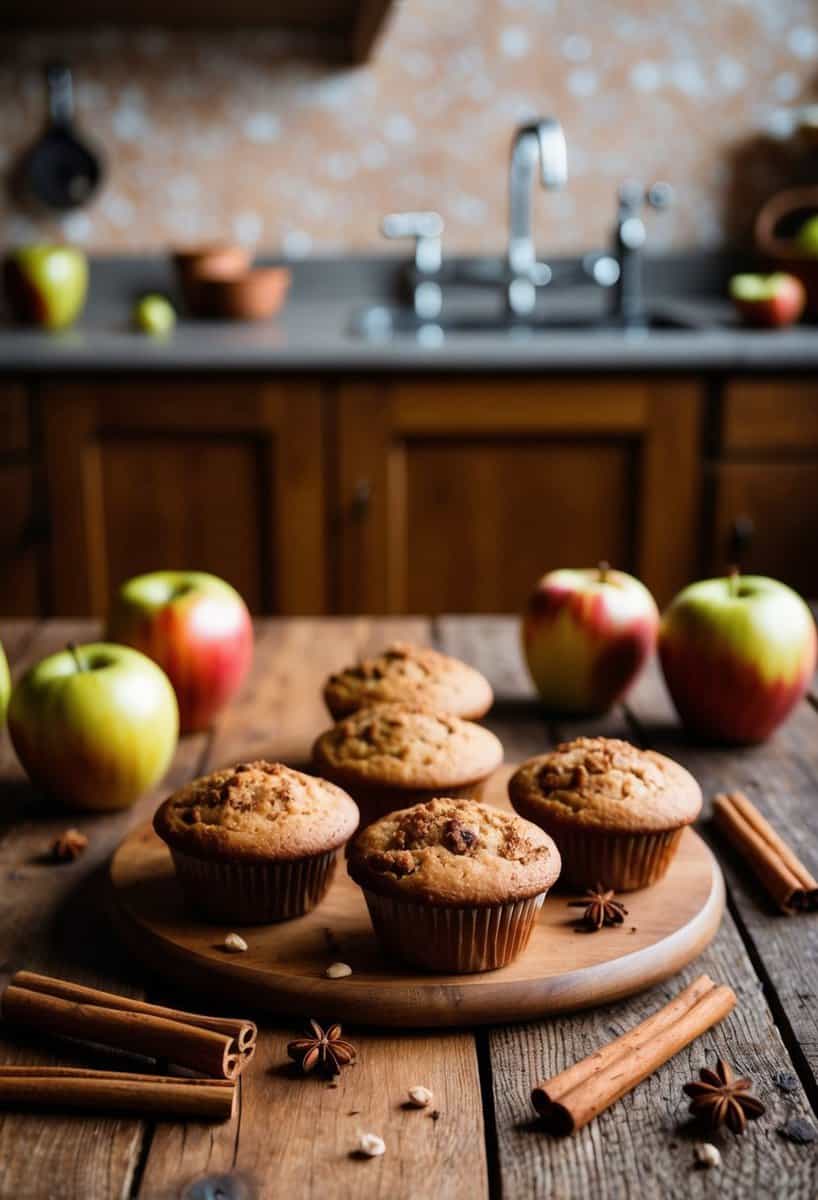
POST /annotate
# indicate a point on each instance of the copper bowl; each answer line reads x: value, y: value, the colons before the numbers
x: 198, y: 263
x: 776, y: 227
x: 253, y: 296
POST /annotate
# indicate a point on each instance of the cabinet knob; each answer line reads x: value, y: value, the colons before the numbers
x: 740, y: 540
x: 361, y: 500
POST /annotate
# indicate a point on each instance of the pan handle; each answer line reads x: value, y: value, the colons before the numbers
x: 60, y: 94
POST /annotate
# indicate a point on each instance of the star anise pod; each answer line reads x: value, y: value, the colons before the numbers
x: 600, y: 908
x: 326, y: 1050
x: 718, y: 1098
x: 68, y: 846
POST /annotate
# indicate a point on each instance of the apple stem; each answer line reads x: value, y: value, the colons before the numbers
x: 603, y: 569
x: 74, y: 650
x: 733, y: 578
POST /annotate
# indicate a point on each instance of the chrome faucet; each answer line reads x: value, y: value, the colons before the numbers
x: 540, y: 142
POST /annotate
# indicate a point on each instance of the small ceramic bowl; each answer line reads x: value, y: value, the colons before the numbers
x: 199, y: 263
x: 253, y: 296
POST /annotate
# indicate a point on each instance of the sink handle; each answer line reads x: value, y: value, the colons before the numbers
x: 427, y: 230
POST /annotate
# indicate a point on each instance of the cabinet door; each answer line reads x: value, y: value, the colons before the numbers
x: 22, y: 516
x: 222, y: 476
x: 455, y: 495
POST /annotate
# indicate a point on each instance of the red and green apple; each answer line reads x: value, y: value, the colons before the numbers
x: 586, y: 635
x: 45, y: 284
x: 197, y: 628
x: 94, y: 725
x: 768, y: 301
x: 738, y: 654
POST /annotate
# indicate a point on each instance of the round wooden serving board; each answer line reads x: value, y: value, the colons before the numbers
x: 282, y: 972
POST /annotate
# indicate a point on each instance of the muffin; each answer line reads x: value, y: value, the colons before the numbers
x: 616, y: 812
x: 454, y: 885
x: 411, y: 675
x: 257, y: 842
x: 391, y: 756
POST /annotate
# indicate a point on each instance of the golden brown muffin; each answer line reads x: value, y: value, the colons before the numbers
x: 454, y: 885
x: 390, y: 756
x: 616, y: 812
x: 412, y: 675
x: 256, y: 842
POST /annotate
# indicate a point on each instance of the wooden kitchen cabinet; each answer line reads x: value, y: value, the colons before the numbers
x: 22, y: 508
x: 222, y: 475
x: 764, y: 480
x: 456, y: 494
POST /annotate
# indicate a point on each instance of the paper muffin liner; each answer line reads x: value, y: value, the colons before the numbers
x: 453, y: 940
x: 375, y: 801
x: 254, y: 893
x: 622, y: 861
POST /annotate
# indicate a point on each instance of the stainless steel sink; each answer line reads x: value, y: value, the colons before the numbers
x: 381, y: 322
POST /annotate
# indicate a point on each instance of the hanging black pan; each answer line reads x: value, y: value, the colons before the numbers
x: 61, y: 170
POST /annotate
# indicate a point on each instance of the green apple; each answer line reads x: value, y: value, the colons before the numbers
x: 155, y: 315
x: 738, y: 653
x: 46, y: 284
x: 807, y: 237
x: 5, y: 684
x: 95, y: 725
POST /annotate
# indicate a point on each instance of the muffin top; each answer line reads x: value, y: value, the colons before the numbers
x: 606, y: 784
x: 454, y: 852
x: 410, y: 675
x: 407, y: 748
x: 256, y: 811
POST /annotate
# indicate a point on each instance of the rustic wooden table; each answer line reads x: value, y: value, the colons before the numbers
x: 294, y: 1137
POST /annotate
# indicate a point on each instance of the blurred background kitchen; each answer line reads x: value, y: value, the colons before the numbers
x: 427, y: 423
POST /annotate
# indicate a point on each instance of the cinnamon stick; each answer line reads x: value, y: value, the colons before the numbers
x: 781, y: 873
x: 78, y: 1089
x: 69, y: 1010
x: 574, y: 1097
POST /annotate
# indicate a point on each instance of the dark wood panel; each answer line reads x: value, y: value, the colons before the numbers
x: 781, y: 501
x: 214, y: 526
x: 766, y: 415
x: 19, y: 564
x: 15, y: 431
x: 485, y: 519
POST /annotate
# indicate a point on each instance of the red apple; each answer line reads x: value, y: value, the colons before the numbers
x: 738, y: 654
x: 768, y: 301
x: 586, y: 635
x: 197, y: 628
x: 95, y: 726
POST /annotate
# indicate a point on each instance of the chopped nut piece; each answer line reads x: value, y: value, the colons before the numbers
x: 420, y: 1097
x: 234, y: 944
x: 706, y: 1155
x: 68, y: 846
x: 338, y: 970
x: 371, y: 1145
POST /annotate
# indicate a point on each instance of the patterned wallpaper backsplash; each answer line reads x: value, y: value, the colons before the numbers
x: 212, y: 135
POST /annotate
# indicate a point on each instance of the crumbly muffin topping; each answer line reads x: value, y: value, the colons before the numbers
x: 407, y: 747
x: 256, y: 810
x: 410, y: 675
x: 452, y: 852
x: 606, y: 783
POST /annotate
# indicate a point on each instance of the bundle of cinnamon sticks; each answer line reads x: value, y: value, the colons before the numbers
x: 571, y: 1099
x: 780, y: 872
x: 216, y: 1047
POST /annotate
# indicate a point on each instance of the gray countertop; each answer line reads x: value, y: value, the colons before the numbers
x: 315, y: 332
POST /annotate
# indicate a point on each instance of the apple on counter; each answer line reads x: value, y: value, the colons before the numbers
x: 95, y: 725
x: 768, y: 301
x: 586, y: 635
x: 738, y: 654
x: 45, y: 284
x: 197, y: 628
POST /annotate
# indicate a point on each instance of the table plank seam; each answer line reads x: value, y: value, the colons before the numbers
x: 490, y: 1137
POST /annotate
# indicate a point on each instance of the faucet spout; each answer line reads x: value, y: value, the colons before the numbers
x: 538, y: 143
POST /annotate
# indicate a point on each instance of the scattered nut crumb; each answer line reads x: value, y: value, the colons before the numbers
x: 706, y: 1155
x: 420, y: 1097
x: 234, y: 944
x: 68, y: 846
x: 332, y: 1085
x: 371, y: 1145
x: 785, y: 1081
x: 338, y: 970
x: 434, y: 1114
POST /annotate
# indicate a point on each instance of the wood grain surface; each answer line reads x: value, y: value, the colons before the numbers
x: 297, y: 1137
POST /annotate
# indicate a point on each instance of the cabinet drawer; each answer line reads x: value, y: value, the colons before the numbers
x: 781, y: 502
x: 762, y: 415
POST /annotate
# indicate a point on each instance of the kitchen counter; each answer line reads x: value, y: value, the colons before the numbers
x: 315, y: 332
